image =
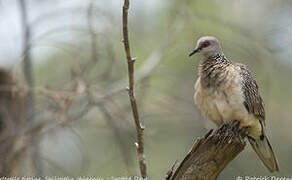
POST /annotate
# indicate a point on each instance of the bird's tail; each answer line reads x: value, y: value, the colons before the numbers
x: 265, y: 152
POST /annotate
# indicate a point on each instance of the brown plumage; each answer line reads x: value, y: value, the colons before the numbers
x: 253, y: 101
x: 211, y: 71
x: 226, y: 91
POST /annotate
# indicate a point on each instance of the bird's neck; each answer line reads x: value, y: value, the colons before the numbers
x: 214, y: 56
x: 215, y: 59
x: 211, y: 70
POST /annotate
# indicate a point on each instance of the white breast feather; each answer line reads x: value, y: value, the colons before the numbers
x: 225, y: 103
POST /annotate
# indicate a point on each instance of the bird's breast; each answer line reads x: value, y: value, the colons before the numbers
x: 223, y: 102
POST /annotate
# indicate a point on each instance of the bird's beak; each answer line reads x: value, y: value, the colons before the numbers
x: 194, y: 51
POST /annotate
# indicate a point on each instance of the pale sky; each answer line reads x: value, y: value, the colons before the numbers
x: 10, y: 29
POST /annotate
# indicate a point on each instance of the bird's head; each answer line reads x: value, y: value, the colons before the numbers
x: 207, y: 46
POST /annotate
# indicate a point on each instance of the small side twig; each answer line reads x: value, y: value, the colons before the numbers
x: 169, y: 174
x: 130, y: 61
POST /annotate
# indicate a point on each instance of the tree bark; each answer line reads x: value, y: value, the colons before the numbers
x: 211, y: 154
x: 131, y: 92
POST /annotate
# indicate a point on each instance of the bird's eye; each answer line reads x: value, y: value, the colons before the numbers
x: 205, y: 44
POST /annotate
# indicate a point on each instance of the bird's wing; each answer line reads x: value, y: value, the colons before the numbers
x: 252, y: 99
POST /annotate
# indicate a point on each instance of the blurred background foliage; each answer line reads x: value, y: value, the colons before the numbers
x: 80, y: 42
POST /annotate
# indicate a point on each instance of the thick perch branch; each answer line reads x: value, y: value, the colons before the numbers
x: 130, y: 60
x: 209, y: 155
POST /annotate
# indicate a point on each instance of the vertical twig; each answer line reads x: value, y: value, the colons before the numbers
x: 27, y: 64
x: 92, y: 34
x: 130, y: 60
x: 28, y: 74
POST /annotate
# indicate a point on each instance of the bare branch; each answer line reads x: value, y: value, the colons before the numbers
x: 27, y: 64
x: 28, y: 74
x: 211, y: 154
x: 130, y: 60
